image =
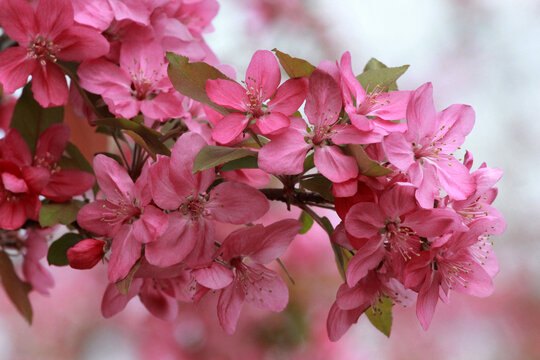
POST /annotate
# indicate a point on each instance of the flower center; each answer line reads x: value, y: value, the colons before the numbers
x: 43, y: 50
x: 194, y: 207
x: 399, y: 239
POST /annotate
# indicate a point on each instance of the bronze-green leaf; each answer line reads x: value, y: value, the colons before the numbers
x: 367, y: 166
x: 59, y: 213
x: 124, y: 284
x: 30, y: 119
x: 211, y: 156
x: 190, y: 79
x: 248, y: 162
x: 57, y: 254
x: 16, y: 289
x: 380, y: 315
x: 294, y: 67
x: 376, y: 74
x: 307, y: 222
x: 150, y: 136
x: 320, y: 185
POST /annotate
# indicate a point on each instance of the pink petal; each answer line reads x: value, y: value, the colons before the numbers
x: 289, y: 96
x: 18, y: 21
x: 349, y: 83
x: 53, y: 17
x: 364, y: 220
x: 125, y: 251
x: 113, y: 301
x: 97, y: 14
x: 227, y: 93
x: 15, y: 67
x: 335, y: 165
x: 366, y: 258
x: 182, y: 158
x: 113, y: 179
x: 163, y: 190
x: 236, y: 203
x: 52, y: 143
x: 12, y: 214
x: 323, y: 103
x: 454, y: 178
x: 421, y: 115
x: 229, y: 306
x: 265, y: 289
x: 398, y: 200
x: 284, y: 154
x: 458, y: 120
x: 360, y: 296
x: 203, y: 252
x: 175, y: 244
x: 80, y: 43
x: 359, y: 121
x: 272, y: 123
x: 163, y: 107
x: 90, y: 217
x: 398, y: 151
x: 391, y: 105
x: 157, y: 302
x: 85, y: 254
x: 427, y: 301
x: 347, y: 134
x: 229, y: 127
x: 242, y: 242
x: 14, y: 183
x: 151, y: 224
x: 339, y: 321
x: 215, y: 276
x: 277, y: 238
x: 66, y: 184
x: 49, y: 85
x: 440, y: 221
x: 263, y: 74
x: 14, y: 148
x: 100, y: 77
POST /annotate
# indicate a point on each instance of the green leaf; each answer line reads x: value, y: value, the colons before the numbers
x: 124, y: 284
x: 381, y: 315
x: 57, y: 254
x: 320, y: 185
x: 211, y: 156
x: 248, y: 162
x: 75, y: 160
x: 16, y: 289
x: 30, y: 119
x: 307, y: 222
x: 149, y: 137
x: 374, y: 64
x: 59, y: 213
x: 367, y: 166
x: 376, y: 74
x: 190, y: 79
x: 294, y: 67
x: 309, y: 163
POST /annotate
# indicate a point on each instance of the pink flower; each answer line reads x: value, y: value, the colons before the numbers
x: 46, y: 33
x: 7, y: 105
x: 36, y: 249
x: 424, y: 151
x: 351, y: 302
x: 191, y: 230
x: 85, y: 254
x: 359, y: 104
x: 125, y: 215
x: 462, y: 262
x: 395, y: 225
x: 286, y: 152
x: 262, y: 80
x: 139, y: 84
x: 249, y: 281
x: 159, y: 289
x: 56, y: 184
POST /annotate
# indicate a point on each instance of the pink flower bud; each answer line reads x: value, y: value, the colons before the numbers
x: 85, y: 254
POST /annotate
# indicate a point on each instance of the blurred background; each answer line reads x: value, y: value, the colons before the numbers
x: 485, y: 53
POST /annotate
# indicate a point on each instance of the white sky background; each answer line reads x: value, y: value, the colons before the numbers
x: 485, y: 53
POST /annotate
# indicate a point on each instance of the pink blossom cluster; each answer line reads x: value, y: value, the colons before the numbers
x: 415, y: 223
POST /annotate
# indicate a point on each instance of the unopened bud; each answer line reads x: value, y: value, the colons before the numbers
x: 85, y: 254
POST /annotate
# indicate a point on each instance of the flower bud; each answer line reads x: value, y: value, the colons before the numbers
x: 85, y: 254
